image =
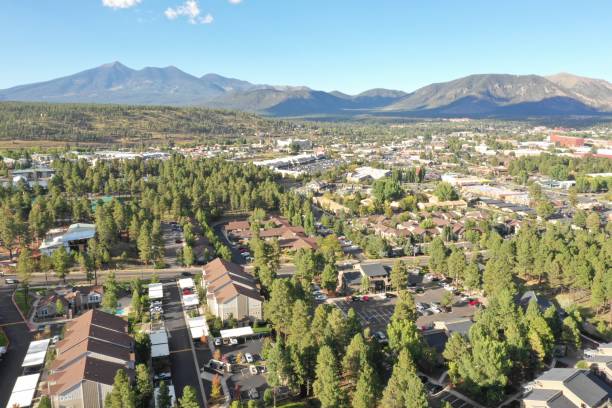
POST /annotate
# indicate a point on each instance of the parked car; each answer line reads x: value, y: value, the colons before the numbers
x: 380, y: 337
x: 320, y: 297
x: 248, y: 357
x: 474, y: 302
x: 390, y: 295
x: 253, y: 393
x: 365, y: 298
x: 435, y: 308
x: 186, y: 274
x: 253, y: 369
x: 187, y: 291
x: 218, y: 341
x: 55, y: 339
x: 233, y: 341
x: 10, y: 281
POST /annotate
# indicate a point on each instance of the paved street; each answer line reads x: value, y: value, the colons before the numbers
x: 19, y: 337
x: 181, y: 356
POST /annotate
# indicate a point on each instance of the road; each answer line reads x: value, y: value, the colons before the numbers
x: 181, y: 355
x: 38, y: 279
x: 19, y: 337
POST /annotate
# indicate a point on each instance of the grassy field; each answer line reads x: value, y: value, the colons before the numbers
x: 25, y: 305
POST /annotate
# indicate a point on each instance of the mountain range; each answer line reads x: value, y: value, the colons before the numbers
x: 483, y: 95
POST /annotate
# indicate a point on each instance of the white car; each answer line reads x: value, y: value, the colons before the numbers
x: 249, y: 357
x: 55, y: 339
x: 450, y: 288
x: 435, y: 308
x: 233, y: 341
x: 253, y: 369
x: 218, y: 341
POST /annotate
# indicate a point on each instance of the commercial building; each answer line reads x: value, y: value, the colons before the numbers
x: 74, y: 237
x: 231, y: 292
x: 367, y: 173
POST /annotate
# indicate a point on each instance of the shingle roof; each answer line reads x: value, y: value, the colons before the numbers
x: 586, y: 389
x: 88, y: 368
x: 373, y: 270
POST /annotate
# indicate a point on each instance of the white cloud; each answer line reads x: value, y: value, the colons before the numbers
x: 235, y: 1
x: 191, y: 10
x: 120, y: 4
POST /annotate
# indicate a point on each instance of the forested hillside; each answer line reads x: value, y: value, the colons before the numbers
x: 106, y: 124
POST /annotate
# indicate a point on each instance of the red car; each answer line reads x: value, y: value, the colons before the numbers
x: 474, y: 302
x: 365, y: 298
x: 187, y: 291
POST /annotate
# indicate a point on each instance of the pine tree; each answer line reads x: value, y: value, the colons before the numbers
x: 188, y: 258
x: 404, y: 389
x: 144, y: 386
x: 329, y: 277
x: 399, y: 275
x: 145, y: 249
x: 189, y: 398
x: 61, y: 262
x: 365, y: 394
x: 109, y: 300
x: 122, y: 394
x: 25, y: 267
x: 327, y: 384
x: 164, y: 399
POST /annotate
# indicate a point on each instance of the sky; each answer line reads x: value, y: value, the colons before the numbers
x: 346, y: 45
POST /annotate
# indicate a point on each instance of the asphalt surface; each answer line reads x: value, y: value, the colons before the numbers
x: 19, y: 337
x: 181, y: 357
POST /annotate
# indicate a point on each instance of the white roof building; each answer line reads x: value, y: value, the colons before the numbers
x: 23, y: 391
x: 156, y: 291
x: 363, y: 173
x: 64, y: 237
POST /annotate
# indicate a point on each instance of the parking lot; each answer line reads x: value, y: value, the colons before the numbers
x: 446, y: 396
x: 377, y: 311
x: 241, y: 376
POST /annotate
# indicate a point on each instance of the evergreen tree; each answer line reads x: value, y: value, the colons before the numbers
x: 61, y: 262
x: 122, y: 394
x: 144, y: 386
x: 25, y: 267
x: 189, y: 398
x: 164, y: 399
x: 327, y: 384
x: 365, y: 394
x: 399, y: 275
x: 109, y: 300
x: 329, y: 277
x: 145, y: 245
x: 188, y: 257
x: 404, y: 389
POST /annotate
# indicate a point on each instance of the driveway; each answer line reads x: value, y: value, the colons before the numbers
x: 181, y: 356
x: 170, y: 234
x: 19, y: 337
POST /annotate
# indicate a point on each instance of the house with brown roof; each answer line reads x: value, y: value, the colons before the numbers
x: 95, y: 346
x: 230, y: 291
x: 47, y: 306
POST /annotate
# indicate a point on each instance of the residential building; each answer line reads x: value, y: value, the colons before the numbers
x: 567, y: 388
x: 231, y: 292
x: 600, y: 360
x: 95, y: 346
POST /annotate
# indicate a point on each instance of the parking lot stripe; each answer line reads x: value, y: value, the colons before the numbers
x: 180, y: 351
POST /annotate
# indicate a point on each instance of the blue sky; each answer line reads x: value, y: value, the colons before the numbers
x: 349, y: 45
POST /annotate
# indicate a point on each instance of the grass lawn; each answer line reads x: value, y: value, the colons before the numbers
x: 3, y: 339
x: 24, y: 304
x: 262, y: 330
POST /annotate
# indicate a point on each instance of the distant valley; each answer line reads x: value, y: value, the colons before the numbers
x: 483, y: 95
